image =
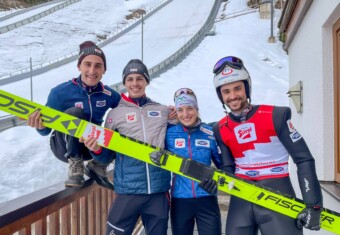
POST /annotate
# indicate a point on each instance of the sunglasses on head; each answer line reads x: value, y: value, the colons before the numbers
x: 230, y: 60
x: 181, y: 91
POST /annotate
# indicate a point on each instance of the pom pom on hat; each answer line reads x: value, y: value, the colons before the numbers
x: 89, y: 48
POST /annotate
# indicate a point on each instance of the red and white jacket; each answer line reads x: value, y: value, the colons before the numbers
x: 257, y: 150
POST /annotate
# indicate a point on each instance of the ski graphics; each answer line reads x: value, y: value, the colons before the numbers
x: 249, y: 191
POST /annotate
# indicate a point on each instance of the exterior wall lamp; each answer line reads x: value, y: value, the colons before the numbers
x: 295, y: 93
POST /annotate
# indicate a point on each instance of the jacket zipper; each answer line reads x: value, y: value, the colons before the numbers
x: 144, y: 136
x: 190, y: 156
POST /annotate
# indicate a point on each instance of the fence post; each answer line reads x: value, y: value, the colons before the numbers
x: 31, y: 78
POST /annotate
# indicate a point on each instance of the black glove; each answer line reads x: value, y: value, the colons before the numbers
x: 310, y: 218
x: 209, y: 185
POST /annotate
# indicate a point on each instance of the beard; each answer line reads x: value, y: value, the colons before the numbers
x: 242, y: 104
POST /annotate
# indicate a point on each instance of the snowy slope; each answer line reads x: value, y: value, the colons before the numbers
x: 28, y: 163
x: 61, y: 32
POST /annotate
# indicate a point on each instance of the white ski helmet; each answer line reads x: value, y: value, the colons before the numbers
x: 231, y: 72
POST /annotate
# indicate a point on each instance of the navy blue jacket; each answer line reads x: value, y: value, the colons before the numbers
x: 94, y: 101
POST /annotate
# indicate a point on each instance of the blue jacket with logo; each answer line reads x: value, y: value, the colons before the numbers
x: 94, y: 101
x: 197, y: 144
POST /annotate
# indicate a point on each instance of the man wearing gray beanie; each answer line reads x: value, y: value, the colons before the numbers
x: 87, y: 98
x: 138, y: 67
x: 141, y: 189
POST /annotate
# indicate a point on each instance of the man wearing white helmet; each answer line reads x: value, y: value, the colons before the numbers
x: 256, y: 141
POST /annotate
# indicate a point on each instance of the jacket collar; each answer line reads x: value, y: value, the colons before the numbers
x: 77, y: 81
x: 139, y: 101
x: 193, y: 128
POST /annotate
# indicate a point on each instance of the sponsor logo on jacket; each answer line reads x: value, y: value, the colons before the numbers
x: 131, y: 117
x: 101, y: 103
x: 107, y: 92
x: 205, y: 130
x: 202, y: 143
x: 290, y: 126
x: 295, y: 136
x: 245, y: 133
x: 79, y: 105
x: 252, y: 173
x: 277, y: 169
x: 154, y: 113
x: 180, y: 143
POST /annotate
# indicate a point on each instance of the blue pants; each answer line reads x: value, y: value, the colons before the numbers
x: 205, y: 210
x: 126, y: 209
x: 64, y: 146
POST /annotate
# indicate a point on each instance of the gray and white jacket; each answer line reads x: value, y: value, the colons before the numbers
x: 147, y: 123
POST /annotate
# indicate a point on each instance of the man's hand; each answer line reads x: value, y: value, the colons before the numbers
x: 209, y: 185
x: 34, y: 120
x: 90, y: 143
x: 172, y: 114
x: 310, y: 218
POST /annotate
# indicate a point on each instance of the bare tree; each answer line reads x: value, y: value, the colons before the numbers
x: 10, y: 4
x: 253, y: 3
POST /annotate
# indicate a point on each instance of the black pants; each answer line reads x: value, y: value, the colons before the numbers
x: 247, y: 218
x: 126, y: 209
x: 64, y: 146
x: 205, y: 210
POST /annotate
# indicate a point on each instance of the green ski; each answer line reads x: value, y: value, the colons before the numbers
x: 230, y: 184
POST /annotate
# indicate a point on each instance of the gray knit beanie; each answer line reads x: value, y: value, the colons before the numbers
x: 136, y: 66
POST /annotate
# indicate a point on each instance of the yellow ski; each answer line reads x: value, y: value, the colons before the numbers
x: 230, y: 184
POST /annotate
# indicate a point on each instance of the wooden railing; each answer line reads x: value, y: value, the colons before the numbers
x: 58, y: 210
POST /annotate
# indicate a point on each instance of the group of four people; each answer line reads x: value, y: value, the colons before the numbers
x: 252, y: 141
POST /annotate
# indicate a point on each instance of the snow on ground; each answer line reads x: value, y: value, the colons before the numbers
x: 29, y: 165
x: 60, y: 33
x: 26, y: 15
